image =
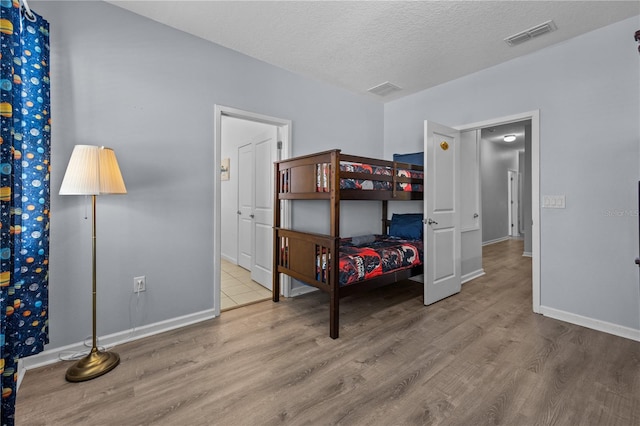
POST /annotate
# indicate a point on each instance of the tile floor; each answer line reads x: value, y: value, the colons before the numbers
x: 238, y: 289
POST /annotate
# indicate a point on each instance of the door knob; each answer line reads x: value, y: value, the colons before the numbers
x: 475, y: 215
x: 431, y: 222
x: 251, y: 216
x: 239, y: 212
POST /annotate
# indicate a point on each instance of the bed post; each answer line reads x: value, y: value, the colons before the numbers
x: 334, y: 294
x: 384, y: 217
x: 335, y: 194
x: 334, y: 312
x: 275, y: 275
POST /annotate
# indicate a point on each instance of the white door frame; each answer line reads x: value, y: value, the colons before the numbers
x: 534, y: 116
x: 284, y: 135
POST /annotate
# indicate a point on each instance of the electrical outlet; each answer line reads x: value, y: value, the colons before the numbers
x: 139, y: 284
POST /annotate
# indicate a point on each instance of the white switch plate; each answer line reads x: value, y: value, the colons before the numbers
x: 553, y: 201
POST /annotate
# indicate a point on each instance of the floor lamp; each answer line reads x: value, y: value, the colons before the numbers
x: 92, y: 170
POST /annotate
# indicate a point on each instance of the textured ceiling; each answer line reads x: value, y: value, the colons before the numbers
x: 359, y: 44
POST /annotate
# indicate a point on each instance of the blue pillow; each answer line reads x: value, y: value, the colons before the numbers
x: 413, y: 158
x: 408, y: 225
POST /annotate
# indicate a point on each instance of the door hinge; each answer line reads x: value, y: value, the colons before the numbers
x: 279, y: 144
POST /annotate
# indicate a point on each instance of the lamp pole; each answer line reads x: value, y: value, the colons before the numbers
x: 93, y: 170
x: 94, y: 341
x: 96, y: 363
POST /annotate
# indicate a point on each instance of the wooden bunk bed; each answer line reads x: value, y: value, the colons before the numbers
x: 314, y: 258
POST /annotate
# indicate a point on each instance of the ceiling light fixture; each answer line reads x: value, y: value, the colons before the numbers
x: 509, y: 138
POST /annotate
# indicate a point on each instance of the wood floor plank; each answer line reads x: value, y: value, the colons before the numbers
x: 479, y: 357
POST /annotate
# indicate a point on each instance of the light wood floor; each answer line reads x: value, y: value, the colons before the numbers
x: 480, y: 357
x: 237, y: 287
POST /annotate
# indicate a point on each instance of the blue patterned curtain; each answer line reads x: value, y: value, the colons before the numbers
x: 24, y: 192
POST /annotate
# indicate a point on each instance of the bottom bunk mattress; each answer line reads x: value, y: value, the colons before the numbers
x: 362, y: 258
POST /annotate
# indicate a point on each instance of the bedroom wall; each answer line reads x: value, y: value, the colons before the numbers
x: 148, y: 91
x: 588, y: 92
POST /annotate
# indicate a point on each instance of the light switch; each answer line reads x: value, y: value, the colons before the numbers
x: 553, y: 201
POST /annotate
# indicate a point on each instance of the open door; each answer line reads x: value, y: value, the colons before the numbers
x: 255, y: 205
x: 245, y: 206
x: 266, y: 152
x: 513, y: 203
x: 442, y: 275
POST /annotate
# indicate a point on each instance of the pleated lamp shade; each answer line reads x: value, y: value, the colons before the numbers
x: 92, y: 170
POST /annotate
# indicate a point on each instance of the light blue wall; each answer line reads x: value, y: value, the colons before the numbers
x: 588, y: 92
x: 148, y: 91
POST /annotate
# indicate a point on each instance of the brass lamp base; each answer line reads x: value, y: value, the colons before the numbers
x: 93, y: 365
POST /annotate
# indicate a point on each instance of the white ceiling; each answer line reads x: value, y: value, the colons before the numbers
x: 359, y: 44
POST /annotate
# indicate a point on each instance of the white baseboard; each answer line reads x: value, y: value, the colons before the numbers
x: 527, y: 254
x: 51, y: 356
x: 472, y: 275
x: 497, y: 240
x: 21, y: 372
x: 594, y: 324
x: 418, y: 278
x: 228, y: 258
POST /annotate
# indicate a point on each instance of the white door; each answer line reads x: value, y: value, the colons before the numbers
x: 245, y: 205
x: 514, y: 205
x: 265, y: 153
x: 442, y: 212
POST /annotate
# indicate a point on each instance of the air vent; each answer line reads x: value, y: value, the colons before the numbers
x: 526, y: 35
x: 384, y: 89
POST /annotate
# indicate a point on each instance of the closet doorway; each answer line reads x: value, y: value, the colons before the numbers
x: 246, y: 145
x: 248, y: 152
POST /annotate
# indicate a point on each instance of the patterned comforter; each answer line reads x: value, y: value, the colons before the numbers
x: 385, y: 254
x: 377, y: 184
x: 322, y: 176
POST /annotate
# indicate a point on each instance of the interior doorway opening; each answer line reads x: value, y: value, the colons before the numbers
x: 532, y: 157
x: 505, y: 174
x: 246, y: 145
